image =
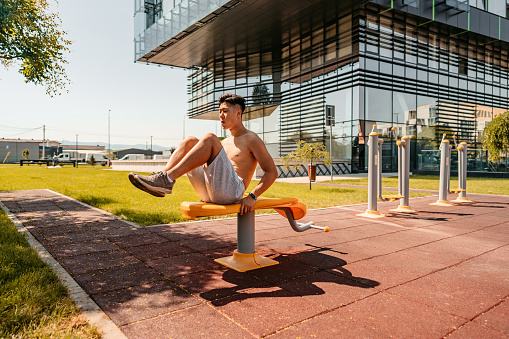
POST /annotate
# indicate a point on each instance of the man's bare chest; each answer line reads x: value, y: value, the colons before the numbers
x: 237, y: 152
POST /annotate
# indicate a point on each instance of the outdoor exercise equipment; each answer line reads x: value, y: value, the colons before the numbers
x: 386, y: 197
x: 245, y: 257
x: 375, y: 177
x: 462, y: 172
x: 445, y: 173
x: 403, y: 176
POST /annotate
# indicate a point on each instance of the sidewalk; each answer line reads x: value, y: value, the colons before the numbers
x: 440, y: 273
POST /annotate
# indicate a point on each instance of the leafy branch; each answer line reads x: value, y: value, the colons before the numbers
x: 30, y: 37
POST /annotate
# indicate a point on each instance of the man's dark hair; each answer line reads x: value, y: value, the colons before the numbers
x: 233, y: 99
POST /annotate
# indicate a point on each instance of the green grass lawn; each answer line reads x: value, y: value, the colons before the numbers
x: 112, y: 191
x: 431, y: 182
x: 33, y: 302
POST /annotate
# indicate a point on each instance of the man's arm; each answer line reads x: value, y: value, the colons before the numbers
x: 267, y: 165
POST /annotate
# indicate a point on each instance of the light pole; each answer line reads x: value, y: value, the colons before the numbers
x: 184, y: 128
x: 76, y: 158
x: 109, y: 145
x: 43, y: 139
x: 151, y: 150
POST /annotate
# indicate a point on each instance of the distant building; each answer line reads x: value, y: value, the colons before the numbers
x: 15, y: 147
x: 84, y: 147
x: 49, y: 148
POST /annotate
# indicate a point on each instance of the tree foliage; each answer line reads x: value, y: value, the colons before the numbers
x: 30, y: 38
x: 495, y: 137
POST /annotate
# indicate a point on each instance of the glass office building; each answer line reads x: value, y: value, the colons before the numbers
x: 424, y: 67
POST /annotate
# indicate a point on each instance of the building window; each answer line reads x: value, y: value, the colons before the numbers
x: 153, y: 10
x: 411, y: 3
x: 462, y: 66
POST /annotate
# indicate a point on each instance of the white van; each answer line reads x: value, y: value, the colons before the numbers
x: 82, y: 157
x: 133, y: 157
x: 99, y: 157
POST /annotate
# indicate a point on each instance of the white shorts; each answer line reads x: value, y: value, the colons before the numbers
x: 217, y: 183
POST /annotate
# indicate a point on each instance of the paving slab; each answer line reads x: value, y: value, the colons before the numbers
x: 476, y: 331
x: 496, y: 317
x: 439, y: 273
x: 402, y: 318
x: 144, y: 301
x: 446, y: 297
x: 199, y: 321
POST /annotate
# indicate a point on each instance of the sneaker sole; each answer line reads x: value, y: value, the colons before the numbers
x: 139, y: 185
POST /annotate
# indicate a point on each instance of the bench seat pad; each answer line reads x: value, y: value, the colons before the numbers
x: 192, y: 210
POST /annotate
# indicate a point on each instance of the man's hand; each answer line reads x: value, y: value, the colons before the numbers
x: 246, y: 204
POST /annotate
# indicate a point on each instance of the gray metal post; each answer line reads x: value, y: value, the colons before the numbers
x: 462, y: 153
x: 448, y: 172
x: 404, y: 176
x: 331, y: 164
x: 372, y: 171
x: 462, y: 173
x: 445, y: 162
x: 400, y: 166
x: 373, y: 176
x: 379, y: 176
x: 246, y: 232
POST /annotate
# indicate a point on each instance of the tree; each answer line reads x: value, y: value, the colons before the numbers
x: 92, y: 161
x: 30, y: 36
x: 307, y: 153
x: 495, y: 138
x: 261, y: 94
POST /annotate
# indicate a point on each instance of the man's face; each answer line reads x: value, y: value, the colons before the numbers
x: 228, y: 114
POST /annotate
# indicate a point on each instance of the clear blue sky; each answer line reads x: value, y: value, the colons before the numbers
x: 145, y: 100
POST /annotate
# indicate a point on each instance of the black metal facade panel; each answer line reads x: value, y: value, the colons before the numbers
x: 481, y: 22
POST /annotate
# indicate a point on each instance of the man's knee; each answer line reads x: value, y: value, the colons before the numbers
x: 212, y: 139
x: 189, y: 142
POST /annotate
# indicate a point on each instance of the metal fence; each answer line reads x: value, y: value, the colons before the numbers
x: 477, y: 160
x: 302, y: 171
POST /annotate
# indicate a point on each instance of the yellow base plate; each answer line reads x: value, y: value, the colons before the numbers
x: 242, y: 262
x: 462, y: 200
x: 371, y: 214
x: 457, y: 191
x: 441, y: 203
x: 392, y: 197
x: 403, y: 209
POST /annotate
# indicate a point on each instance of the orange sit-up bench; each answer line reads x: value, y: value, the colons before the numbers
x: 245, y: 257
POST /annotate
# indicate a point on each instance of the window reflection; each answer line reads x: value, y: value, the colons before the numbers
x: 378, y: 108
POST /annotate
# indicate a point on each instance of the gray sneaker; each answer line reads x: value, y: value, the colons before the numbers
x: 156, y: 184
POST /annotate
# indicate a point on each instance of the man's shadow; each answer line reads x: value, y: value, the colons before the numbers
x: 306, y: 286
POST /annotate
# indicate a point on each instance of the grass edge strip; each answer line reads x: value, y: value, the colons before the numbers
x: 92, y: 312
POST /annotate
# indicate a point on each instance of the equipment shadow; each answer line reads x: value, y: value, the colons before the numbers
x: 273, y: 277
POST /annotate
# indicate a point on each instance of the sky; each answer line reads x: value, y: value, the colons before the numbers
x: 145, y: 100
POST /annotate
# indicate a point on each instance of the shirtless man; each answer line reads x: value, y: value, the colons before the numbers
x: 220, y: 171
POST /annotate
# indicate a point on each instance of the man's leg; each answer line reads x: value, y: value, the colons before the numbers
x: 182, y: 149
x: 203, y: 152
x: 190, y: 154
